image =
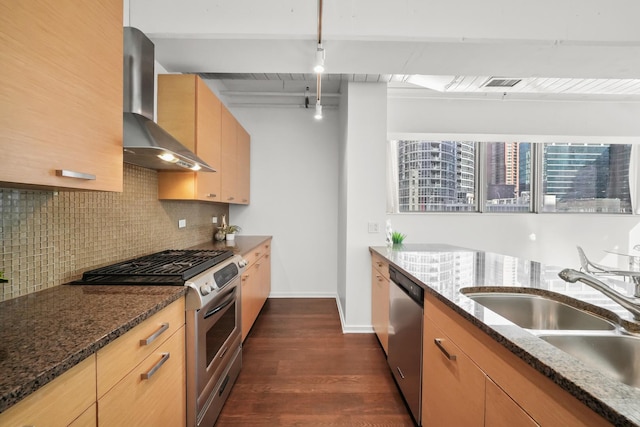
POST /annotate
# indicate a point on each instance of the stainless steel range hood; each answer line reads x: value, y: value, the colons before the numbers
x: 143, y: 140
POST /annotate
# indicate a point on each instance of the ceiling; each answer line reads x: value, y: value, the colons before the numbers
x: 262, y: 52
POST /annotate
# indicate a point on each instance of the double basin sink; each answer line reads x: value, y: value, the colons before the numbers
x: 594, y: 340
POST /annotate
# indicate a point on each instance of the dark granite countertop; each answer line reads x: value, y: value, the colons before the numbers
x: 240, y: 245
x: 442, y: 270
x: 48, y: 332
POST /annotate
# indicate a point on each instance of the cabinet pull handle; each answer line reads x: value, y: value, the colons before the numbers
x: 211, y: 195
x: 231, y: 198
x: 257, y: 254
x: 379, y: 264
x: 438, y: 343
x: 379, y: 277
x: 147, y: 375
x: 77, y: 175
x: 155, y: 335
x: 245, y: 277
x: 400, y: 372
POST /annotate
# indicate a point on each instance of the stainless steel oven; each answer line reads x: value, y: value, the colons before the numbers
x: 214, y: 341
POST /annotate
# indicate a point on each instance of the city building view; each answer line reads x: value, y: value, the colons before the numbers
x: 441, y: 176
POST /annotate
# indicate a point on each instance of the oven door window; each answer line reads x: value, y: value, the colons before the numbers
x: 219, y: 332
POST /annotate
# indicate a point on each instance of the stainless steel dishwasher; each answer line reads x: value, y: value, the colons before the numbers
x: 405, y: 339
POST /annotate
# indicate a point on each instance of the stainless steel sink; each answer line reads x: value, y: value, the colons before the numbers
x: 537, y: 312
x: 615, y: 355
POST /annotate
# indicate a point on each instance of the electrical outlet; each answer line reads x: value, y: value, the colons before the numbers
x: 214, y: 219
x: 374, y: 227
x: 182, y: 223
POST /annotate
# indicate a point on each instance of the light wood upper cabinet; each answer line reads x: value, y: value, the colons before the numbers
x: 229, y: 164
x: 191, y: 112
x: 243, y: 152
x: 61, y: 94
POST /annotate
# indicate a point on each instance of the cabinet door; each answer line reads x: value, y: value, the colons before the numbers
x: 380, y: 307
x: 249, y: 300
x: 61, y: 94
x: 153, y: 393
x: 244, y: 164
x: 58, y: 403
x: 453, y: 387
x: 190, y: 111
x: 208, y: 146
x: 502, y: 411
x: 228, y: 160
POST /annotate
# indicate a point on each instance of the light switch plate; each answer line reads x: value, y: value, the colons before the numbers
x: 182, y: 223
x: 374, y: 227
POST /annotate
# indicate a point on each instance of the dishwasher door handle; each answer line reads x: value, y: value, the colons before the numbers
x: 438, y: 343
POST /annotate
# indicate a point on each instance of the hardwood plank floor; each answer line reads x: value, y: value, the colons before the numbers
x: 299, y: 369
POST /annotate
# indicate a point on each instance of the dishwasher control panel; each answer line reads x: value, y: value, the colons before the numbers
x: 407, y: 285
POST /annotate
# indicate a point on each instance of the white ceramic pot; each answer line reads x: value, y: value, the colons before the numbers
x: 231, y: 236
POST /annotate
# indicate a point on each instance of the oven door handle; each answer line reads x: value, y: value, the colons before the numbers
x: 228, y: 300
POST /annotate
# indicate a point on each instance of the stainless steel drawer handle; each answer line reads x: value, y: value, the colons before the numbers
x: 148, y: 375
x: 73, y: 174
x: 155, y: 335
x: 438, y: 342
x: 211, y: 195
x: 400, y: 372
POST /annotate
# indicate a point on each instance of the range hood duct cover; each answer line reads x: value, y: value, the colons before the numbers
x: 143, y: 139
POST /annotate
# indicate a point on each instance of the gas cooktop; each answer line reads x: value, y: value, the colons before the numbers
x: 170, y: 267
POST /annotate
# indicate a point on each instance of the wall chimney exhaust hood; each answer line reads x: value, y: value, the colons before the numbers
x: 145, y: 143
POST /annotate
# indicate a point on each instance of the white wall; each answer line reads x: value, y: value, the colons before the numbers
x: 556, y: 235
x: 294, y: 184
x: 364, y: 194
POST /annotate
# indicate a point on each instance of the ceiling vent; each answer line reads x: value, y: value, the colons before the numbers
x: 501, y: 82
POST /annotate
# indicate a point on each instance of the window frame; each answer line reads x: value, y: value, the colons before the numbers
x: 537, y: 167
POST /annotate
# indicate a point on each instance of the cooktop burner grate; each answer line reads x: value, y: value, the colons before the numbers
x: 170, y: 267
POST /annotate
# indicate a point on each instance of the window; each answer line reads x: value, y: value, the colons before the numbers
x: 469, y: 176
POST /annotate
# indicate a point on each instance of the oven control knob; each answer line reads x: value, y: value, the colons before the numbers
x: 205, y: 290
x: 242, y: 263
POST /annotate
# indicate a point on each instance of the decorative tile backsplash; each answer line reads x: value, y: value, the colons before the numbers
x: 49, y: 238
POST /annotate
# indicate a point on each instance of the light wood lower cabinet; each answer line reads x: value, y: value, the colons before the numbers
x: 453, y: 387
x: 515, y: 395
x: 60, y: 402
x: 256, y: 285
x: 88, y: 418
x: 502, y: 411
x: 380, y: 306
x: 141, y: 375
x: 153, y: 393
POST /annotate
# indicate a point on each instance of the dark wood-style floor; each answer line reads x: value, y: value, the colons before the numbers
x: 299, y: 369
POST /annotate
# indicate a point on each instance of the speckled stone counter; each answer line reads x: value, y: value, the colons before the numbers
x: 443, y: 270
x: 240, y: 245
x: 46, y: 333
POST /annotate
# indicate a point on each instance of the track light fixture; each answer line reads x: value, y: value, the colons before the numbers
x: 319, y: 67
x: 318, y: 115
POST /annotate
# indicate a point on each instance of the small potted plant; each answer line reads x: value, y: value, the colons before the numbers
x: 397, y: 238
x: 231, y: 230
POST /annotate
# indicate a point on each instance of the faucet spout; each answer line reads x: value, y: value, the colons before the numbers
x: 630, y: 304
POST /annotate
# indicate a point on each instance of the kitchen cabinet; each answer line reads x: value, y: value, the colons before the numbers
x: 191, y: 112
x: 502, y: 411
x: 155, y: 348
x: 69, y: 397
x: 524, y: 392
x: 235, y: 164
x: 380, y: 300
x: 61, y: 94
x: 449, y: 378
x: 256, y: 284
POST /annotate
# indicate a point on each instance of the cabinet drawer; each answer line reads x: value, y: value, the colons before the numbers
x: 118, y: 358
x: 256, y: 253
x: 158, y: 400
x: 89, y: 418
x: 57, y: 403
x: 380, y: 264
